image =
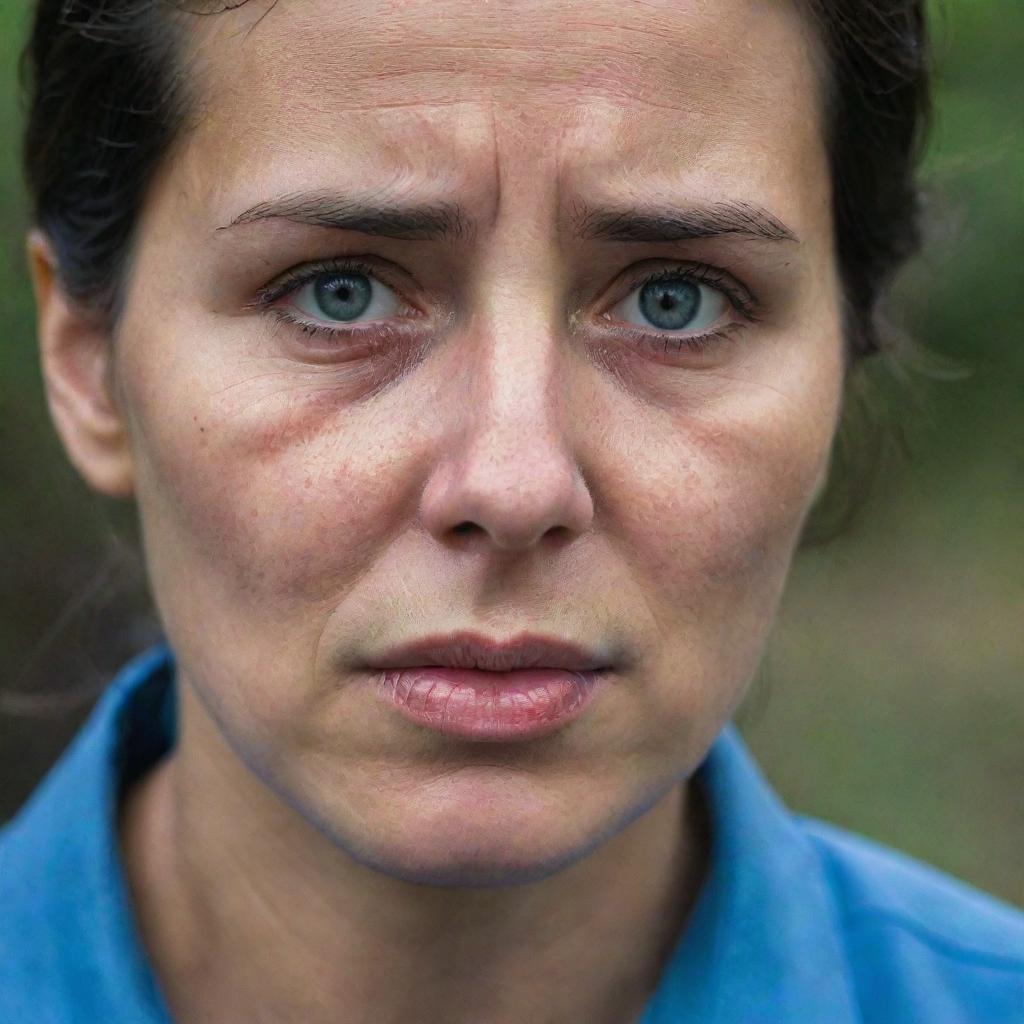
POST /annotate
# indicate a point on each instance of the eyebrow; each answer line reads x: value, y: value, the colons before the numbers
x: 419, y: 221
x: 674, y: 224
x: 445, y: 220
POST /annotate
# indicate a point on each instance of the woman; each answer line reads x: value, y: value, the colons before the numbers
x: 474, y: 369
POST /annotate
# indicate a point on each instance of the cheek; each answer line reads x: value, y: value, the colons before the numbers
x: 723, y: 509
x: 712, y: 525
x: 273, y: 496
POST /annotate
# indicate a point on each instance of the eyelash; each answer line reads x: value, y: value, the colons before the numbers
x: 292, y: 280
x: 700, y: 273
x: 738, y: 296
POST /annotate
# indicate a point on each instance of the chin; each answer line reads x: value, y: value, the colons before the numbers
x: 463, y: 864
x: 503, y: 843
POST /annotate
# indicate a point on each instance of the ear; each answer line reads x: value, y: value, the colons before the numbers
x: 76, y: 356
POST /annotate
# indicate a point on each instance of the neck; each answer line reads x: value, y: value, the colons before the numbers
x: 250, y: 913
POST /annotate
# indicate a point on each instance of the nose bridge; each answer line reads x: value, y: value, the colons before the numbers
x: 516, y: 335
x: 519, y: 391
x: 518, y: 352
x: 509, y: 466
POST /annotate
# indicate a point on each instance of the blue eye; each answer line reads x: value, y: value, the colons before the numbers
x: 673, y: 304
x: 346, y: 297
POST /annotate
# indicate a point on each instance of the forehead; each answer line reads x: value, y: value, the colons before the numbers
x: 615, y: 96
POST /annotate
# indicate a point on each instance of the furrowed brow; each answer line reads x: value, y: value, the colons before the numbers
x: 422, y: 221
x: 656, y: 223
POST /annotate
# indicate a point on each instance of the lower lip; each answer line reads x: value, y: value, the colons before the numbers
x: 477, y: 705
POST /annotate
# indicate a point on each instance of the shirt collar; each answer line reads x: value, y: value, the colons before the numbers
x: 61, y: 880
x: 762, y: 943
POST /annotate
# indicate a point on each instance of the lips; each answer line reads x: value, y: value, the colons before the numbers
x: 467, y: 686
x: 496, y: 706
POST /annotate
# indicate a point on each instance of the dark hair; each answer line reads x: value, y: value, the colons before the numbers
x: 107, y: 98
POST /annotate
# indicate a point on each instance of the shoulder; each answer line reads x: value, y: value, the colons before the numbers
x: 909, y: 928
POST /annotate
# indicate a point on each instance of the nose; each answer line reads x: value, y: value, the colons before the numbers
x: 507, y: 470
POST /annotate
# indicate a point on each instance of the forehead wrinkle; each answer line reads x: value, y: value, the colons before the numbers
x: 676, y: 50
x: 496, y: 206
x: 283, y: 105
x: 397, y: 156
x: 287, y: 48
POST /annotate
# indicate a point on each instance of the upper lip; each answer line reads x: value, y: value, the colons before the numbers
x: 465, y: 649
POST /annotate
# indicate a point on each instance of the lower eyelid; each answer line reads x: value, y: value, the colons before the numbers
x: 284, y: 314
x: 285, y: 302
x: 696, y: 344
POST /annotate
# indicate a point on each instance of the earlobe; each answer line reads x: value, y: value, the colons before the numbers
x: 75, y: 348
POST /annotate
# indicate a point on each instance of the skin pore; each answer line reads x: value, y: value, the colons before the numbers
x: 503, y: 446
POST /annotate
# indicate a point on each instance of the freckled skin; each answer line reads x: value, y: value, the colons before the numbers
x: 299, y: 513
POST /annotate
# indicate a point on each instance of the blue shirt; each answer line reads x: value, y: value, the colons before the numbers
x: 798, y: 922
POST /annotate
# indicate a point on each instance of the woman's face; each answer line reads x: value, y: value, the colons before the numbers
x: 588, y: 390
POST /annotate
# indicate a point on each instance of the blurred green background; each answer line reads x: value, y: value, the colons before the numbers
x: 891, y: 698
